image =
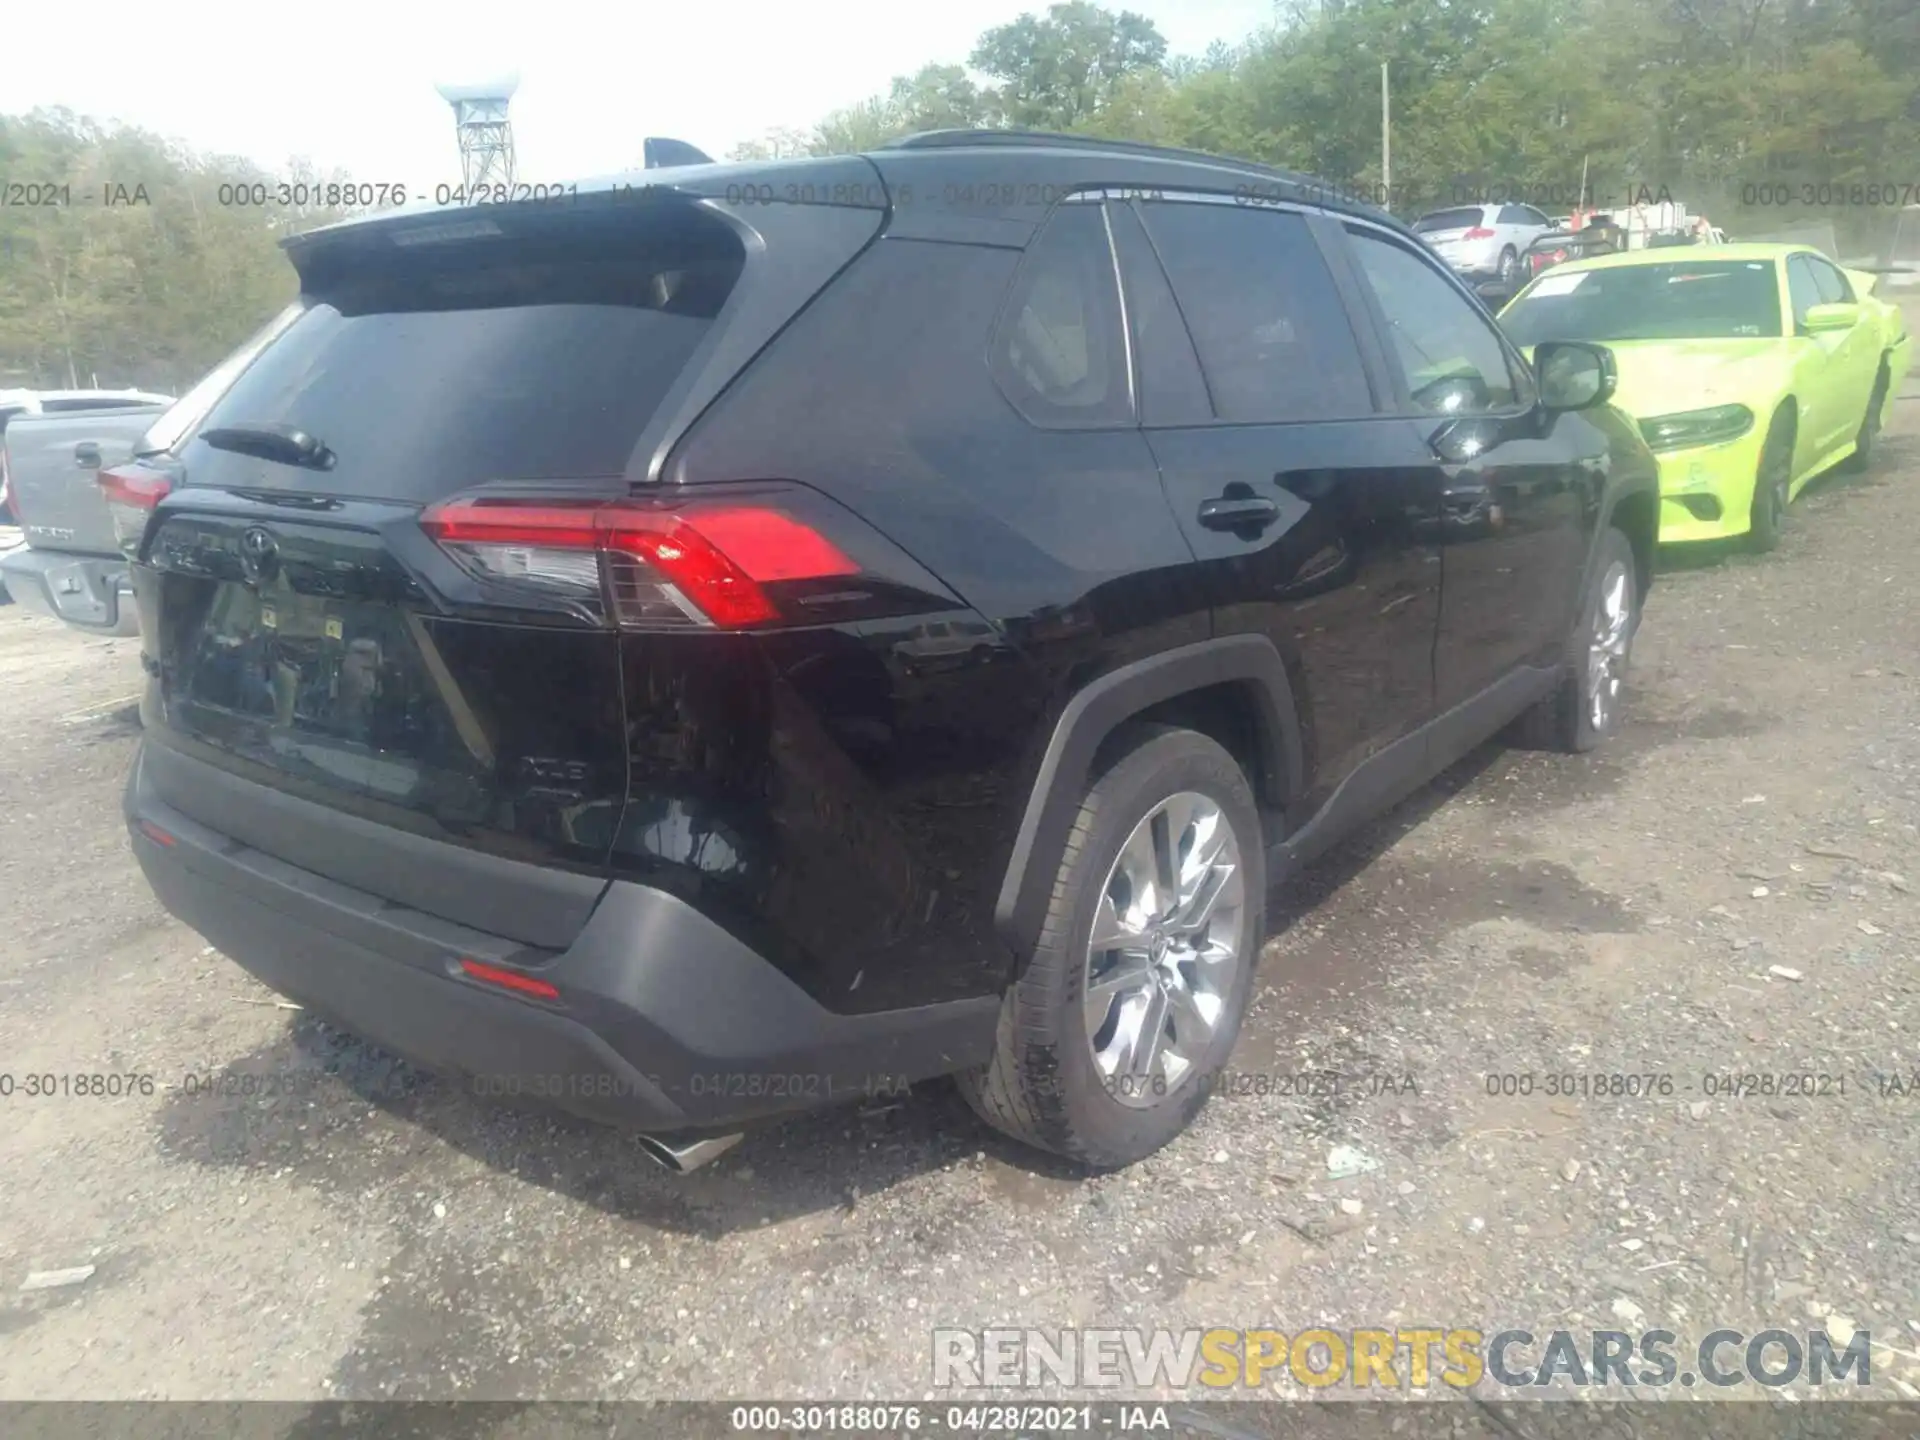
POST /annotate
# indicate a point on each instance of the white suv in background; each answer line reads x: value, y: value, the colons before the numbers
x: 1483, y: 241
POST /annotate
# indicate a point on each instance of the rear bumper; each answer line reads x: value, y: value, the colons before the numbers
x: 1479, y: 260
x: 665, y: 1021
x: 89, y: 592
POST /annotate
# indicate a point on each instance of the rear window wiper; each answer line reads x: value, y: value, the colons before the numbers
x: 272, y: 442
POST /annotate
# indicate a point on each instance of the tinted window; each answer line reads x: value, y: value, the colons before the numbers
x: 1060, y: 353
x: 1448, y: 220
x: 1453, y: 360
x: 534, y: 351
x: 1802, y: 288
x: 1833, y: 285
x: 1515, y: 215
x: 1273, y: 338
x: 1701, y: 300
x: 186, y: 412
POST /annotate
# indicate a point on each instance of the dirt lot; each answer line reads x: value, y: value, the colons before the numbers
x: 380, y: 1234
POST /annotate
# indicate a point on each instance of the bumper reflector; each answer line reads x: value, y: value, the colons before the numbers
x: 509, y: 980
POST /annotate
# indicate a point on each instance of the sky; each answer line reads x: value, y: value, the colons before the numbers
x: 351, y: 84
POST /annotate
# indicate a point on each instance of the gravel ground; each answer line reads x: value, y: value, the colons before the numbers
x: 1733, y: 886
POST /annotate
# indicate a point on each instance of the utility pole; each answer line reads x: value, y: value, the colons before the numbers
x: 1386, y: 141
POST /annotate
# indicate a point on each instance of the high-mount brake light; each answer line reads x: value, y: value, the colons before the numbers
x: 702, y: 563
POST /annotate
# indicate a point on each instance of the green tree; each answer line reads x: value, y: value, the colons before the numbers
x: 147, y: 264
x: 1058, y: 71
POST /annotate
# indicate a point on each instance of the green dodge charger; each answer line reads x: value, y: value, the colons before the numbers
x: 1751, y: 369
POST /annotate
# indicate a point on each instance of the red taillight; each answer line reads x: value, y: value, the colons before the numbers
x: 131, y: 493
x: 154, y: 833
x: 142, y: 489
x: 510, y: 980
x: 702, y: 563
x: 1478, y: 232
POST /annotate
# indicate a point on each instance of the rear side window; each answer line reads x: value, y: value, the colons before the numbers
x: 533, y: 351
x: 1059, y: 353
x: 1453, y: 361
x: 1833, y: 285
x: 1273, y: 339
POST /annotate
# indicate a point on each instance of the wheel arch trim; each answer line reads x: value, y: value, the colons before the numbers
x: 1101, y: 707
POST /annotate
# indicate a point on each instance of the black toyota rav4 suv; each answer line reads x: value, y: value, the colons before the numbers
x: 542, y: 620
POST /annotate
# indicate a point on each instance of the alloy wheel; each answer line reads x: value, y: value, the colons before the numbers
x: 1165, y: 948
x: 1611, y: 635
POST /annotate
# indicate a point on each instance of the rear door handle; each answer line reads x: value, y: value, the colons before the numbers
x: 87, y: 455
x: 1251, y: 512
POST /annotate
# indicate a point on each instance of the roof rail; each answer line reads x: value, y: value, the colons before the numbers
x: 961, y: 139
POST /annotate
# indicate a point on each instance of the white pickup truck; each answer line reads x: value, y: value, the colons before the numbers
x: 53, y: 445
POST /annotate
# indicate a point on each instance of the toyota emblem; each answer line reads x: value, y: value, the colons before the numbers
x: 259, y: 554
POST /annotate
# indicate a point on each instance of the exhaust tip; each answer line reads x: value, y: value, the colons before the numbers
x: 684, y: 1156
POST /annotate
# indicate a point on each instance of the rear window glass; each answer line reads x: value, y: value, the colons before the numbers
x: 1448, y: 220
x: 537, y: 353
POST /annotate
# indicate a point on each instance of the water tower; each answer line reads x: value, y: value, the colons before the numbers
x: 480, y: 121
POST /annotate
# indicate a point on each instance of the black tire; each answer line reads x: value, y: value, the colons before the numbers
x: 1770, y: 485
x: 1042, y: 1085
x: 1866, y: 444
x: 1508, y: 267
x: 1564, y: 720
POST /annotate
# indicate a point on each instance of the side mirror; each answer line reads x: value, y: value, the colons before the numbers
x: 1573, y: 375
x: 1839, y: 315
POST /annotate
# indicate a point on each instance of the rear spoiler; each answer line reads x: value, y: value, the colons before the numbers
x: 660, y: 152
x: 425, y: 223
x: 676, y: 174
x: 313, y: 252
